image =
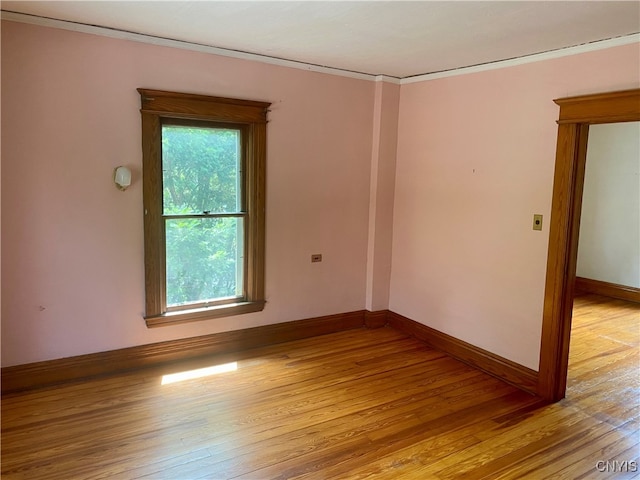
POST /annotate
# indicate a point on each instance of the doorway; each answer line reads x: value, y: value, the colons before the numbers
x: 576, y: 114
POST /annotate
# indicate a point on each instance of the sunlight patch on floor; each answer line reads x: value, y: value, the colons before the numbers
x: 199, y: 373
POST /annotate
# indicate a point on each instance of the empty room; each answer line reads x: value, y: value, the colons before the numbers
x: 320, y: 240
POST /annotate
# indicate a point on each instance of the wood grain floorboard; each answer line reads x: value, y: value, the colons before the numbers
x: 350, y: 405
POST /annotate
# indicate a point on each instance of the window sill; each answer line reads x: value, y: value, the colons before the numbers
x: 195, y: 315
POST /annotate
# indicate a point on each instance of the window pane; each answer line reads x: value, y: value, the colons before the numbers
x: 204, y: 259
x: 200, y: 169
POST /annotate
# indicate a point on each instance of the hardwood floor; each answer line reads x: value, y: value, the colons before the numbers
x: 355, y: 404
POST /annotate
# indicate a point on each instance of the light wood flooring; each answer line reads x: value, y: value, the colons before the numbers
x: 355, y: 404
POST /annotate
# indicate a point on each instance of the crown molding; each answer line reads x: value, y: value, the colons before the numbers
x: 388, y: 79
x: 166, y: 42
x: 536, y: 57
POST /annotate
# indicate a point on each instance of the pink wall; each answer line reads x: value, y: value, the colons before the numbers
x: 72, y: 246
x: 475, y: 161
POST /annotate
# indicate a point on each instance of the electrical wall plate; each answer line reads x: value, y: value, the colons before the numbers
x: 316, y: 257
x: 537, y: 222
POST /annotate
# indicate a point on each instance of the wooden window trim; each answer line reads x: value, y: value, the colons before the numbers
x: 248, y: 115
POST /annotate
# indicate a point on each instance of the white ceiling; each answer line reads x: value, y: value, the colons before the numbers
x: 393, y: 38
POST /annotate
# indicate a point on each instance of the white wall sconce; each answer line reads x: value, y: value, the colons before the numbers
x: 122, y: 177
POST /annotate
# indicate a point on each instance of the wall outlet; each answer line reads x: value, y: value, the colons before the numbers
x: 537, y: 222
x: 316, y: 257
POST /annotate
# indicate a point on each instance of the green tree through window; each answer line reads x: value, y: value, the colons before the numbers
x: 200, y: 175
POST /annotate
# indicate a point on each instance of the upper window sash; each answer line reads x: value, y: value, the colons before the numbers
x: 227, y: 191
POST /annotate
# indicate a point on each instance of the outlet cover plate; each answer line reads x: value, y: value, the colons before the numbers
x: 537, y: 222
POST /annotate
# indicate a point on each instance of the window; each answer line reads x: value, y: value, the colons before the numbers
x: 203, y: 188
